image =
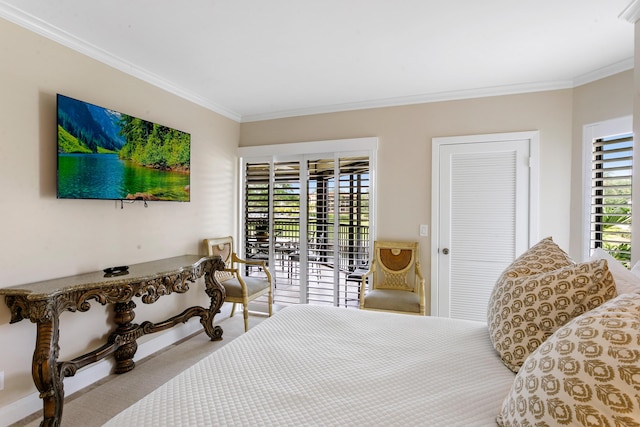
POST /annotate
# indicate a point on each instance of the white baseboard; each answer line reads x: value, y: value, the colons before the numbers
x: 20, y: 409
x: 32, y: 403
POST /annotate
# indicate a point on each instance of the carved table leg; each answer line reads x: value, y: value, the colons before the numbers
x: 216, y: 293
x: 127, y: 332
x: 45, y: 370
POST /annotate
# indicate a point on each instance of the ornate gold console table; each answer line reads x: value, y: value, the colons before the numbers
x: 43, y: 302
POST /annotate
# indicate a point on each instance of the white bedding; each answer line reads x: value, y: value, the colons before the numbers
x: 311, y: 365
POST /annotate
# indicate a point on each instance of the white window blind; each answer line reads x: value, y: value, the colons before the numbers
x: 611, y: 179
x: 256, y: 205
x: 308, y: 216
x: 338, y: 226
x: 286, y: 226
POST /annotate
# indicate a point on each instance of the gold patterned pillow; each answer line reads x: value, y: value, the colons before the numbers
x: 545, y: 255
x: 587, y: 373
x: 525, y: 311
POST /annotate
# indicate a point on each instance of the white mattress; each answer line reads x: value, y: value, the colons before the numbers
x: 311, y: 365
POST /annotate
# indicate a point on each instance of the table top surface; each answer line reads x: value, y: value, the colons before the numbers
x: 95, y: 280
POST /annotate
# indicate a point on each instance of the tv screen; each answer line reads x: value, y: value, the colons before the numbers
x: 104, y: 154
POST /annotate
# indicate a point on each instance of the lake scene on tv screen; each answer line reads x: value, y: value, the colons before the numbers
x: 104, y: 154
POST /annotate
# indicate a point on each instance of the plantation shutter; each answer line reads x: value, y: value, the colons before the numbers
x: 306, y: 211
x: 337, y: 226
x: 611, y: 178
x: 353, y: 234
x: 286, y: 226
x: 320, y: 215
x: 256, y: 211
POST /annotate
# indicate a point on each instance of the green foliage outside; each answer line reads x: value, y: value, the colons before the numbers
x: 617, y: 233
x: 153, y: 145
x: 286, y: 209
x: 616, y: 220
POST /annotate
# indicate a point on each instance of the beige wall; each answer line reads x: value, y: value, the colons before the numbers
x: 43, y: 237
x: 404, y: 153
x: 605, y: 99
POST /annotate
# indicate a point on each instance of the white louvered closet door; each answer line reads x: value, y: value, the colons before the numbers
x: 483, y: 220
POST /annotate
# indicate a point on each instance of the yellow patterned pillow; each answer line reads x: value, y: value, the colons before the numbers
x: 587, y: 373
x: 525, y: 311
x: 543, y: 256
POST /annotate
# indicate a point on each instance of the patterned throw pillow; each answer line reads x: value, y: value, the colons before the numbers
x: 587, y: 373
x: 626, y: 281
x: 525, y: 310
x: 543, y: 256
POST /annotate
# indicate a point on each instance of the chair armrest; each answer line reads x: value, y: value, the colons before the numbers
x: 250, y: 262
x: 421, y: 290
x: 363, y: 286
x: 260, y: 263
x: 235, y: 258
x: 371, y: 273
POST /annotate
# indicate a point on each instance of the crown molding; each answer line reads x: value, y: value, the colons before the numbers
x: 601, y: 73
x: 412, y: 100
x: 36, y: 25
x: 443, y: 96
x: 54, y: 33
x: 631, y: 12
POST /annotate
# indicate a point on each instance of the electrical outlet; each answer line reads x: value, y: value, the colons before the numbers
x: 424, y: 230
x: 1, y: 380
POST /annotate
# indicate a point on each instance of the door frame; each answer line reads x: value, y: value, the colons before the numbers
x: 534, y: 191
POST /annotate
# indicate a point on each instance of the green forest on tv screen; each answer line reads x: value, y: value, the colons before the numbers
x: 104, y: 154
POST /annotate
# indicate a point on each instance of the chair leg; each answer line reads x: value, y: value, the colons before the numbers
x: 233, y: 309
x: 270, y: 301
x: 245, y: 312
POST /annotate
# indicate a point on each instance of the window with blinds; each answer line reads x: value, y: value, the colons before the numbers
x: 611, y: 178
x: 256, y: 210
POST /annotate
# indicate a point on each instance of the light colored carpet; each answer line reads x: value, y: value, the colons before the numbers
x: 98, y: 403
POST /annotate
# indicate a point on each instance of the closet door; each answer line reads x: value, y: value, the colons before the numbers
x: 483, y: 218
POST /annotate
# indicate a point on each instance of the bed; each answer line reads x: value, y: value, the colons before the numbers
x: 561, y: 346
x: 315, y: 365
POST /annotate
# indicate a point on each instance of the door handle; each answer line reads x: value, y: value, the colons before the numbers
x: 445, y: 251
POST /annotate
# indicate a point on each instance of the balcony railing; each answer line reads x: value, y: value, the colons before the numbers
x: 353, y: 242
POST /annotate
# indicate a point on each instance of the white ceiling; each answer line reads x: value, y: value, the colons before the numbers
x: 259, y: 59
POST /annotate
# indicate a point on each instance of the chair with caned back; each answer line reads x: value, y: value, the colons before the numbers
x: 240, y: 289
x: 394, y: 282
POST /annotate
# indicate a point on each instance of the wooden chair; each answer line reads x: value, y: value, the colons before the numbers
x: 394, y: 280
x: 240, y: 289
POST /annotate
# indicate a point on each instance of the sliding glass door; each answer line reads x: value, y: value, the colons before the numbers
x: 309, y: 216
x: 338, y: 224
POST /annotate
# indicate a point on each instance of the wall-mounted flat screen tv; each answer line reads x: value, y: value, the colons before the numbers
x: 104, y: 154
